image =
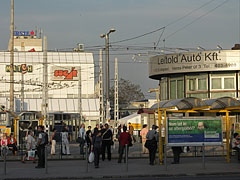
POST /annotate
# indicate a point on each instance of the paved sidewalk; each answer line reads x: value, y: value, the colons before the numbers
x: 76, y: 169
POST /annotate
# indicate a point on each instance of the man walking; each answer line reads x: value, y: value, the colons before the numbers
x: 41, y: 147
x: 153, y: 137
x: 106, y: 142
x: 124, y: 140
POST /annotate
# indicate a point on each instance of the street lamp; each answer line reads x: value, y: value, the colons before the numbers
x: 106, y: 36
x: 160, y: 152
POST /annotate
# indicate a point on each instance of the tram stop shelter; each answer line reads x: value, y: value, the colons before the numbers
x: 224, y: 105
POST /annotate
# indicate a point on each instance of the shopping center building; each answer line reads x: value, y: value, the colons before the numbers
x: 71, y: 82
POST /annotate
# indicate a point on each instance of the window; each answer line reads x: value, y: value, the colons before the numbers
x: 223, y: 83
x: 216, y: 83
x: 176, y: 88
x: 164, y: 89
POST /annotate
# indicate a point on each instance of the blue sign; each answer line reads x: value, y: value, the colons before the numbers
x: 23, y: 33
x: 194, y: 131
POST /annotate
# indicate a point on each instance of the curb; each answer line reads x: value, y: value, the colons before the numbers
x: 129, y: 176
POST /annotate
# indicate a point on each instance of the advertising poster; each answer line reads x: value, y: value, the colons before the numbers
x: 4, y: 130
x: 194, y: 131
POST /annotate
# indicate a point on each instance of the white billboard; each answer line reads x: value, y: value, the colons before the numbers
x: 222, y: 60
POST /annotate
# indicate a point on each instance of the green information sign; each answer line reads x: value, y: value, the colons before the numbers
x: 194, y: 131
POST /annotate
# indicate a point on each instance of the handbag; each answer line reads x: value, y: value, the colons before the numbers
x: 91, y: 157
x: 31, y: 155
x: 112, y: 142
x: 147, y: 144
x: 130, y: 141
x: 80, y: 140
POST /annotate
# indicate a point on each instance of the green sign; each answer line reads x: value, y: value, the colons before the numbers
x: 194, y: 131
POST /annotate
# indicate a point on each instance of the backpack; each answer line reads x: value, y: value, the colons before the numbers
x: 45, y: 139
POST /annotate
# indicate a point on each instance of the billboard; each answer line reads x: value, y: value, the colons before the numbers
x: 194, y: 131
x: 66, y: 73
x: 202, y: 61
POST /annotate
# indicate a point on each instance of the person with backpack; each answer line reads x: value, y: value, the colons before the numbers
x: 41, y: 143
x: 151, y: 143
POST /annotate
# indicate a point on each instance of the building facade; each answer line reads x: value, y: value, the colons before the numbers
x: 201, y: 74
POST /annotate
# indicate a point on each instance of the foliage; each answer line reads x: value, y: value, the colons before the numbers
x: 127, y: 92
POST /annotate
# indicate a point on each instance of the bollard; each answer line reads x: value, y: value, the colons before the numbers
x: 126, y: 156
x: 203, y: 155
x: 86, y: 157
x: 5, y: 162
x: 46, y: 158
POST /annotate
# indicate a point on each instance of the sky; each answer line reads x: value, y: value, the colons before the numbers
x: 188, y: 24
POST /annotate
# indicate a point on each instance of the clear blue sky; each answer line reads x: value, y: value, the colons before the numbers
x: 68, y: 22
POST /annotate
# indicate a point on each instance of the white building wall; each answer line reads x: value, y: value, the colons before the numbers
x: 58, y: 88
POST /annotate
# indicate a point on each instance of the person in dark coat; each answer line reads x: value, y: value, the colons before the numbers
x: 153, y: 137
x: 176, y: 154
x: 106, y: 142
x: 96, y: 147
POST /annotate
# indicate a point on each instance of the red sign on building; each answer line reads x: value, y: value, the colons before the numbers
x: 65, y: 74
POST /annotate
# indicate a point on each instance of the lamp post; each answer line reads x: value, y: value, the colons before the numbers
x: 160, y: 152
x: 107, y: 79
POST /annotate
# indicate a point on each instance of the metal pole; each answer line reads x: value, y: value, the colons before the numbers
x: 107, y: 66
x: 80, y: 96
x: 5, y: 161
x: 11, y: 62
x: 22, y: 93
x: 227, y: 132
x: 165, y: 156
x: 203, y: 155
x: 46, y: 158
x: 116, y: 112
x: 86, y: 156
x: 160, y: 150
x: 45, y: 86
x: 101, y: 94
x: 126, y: 156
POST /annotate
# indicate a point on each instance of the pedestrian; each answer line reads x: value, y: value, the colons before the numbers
x: 29, y: 146
x: 143, y: 134
x: 119, y: 130
x: 124, y: 139
x: 131, y: 130
x: 152, y: 137
x: 53, y: 141
x: 65, y: 142
x: 41, y: 142
x: 4, y: 141
x: 12, y: 144
x: 236, y: 144
x: 106, y: 142
x: 177, y: 150
x: 89, y: 138
x: 81, y: 137
x: 96, y: 148
x: 95, y: 130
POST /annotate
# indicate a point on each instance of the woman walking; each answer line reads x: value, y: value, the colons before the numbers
x: 143, y: 134
x: 53, y: 141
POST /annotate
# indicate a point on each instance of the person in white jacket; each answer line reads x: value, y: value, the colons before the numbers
x: 65, y: 142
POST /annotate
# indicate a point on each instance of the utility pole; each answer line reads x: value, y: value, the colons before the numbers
x: 116, y: 111
x: 22, y: 92
x: 107, y: 81
x: 45, y: 85
x: 106, y: 36
x: 101, y: 100
x: 11, y: 62
x: 80, y: 96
